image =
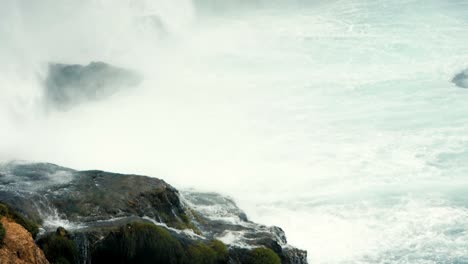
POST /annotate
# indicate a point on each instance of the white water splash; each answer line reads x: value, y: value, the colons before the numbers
x: 52, y: 221
x: 335, y: 120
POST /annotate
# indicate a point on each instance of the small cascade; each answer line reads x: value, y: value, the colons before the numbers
x: 82, y: 242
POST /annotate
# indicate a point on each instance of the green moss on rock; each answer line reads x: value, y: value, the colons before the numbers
x: 29, y: 225
x: 166, y: 203
x: 212, y: 253
x: 59, y: 247
x: 220, y: 248
x: 148, y: 243
x: 263, y: 256
x: 139, y: 243
x: 201, y: 253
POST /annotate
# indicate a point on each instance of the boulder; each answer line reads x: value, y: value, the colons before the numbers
x: 68, y: 85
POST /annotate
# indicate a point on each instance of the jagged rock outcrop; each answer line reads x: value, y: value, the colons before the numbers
x: 103, y: 210
x: 44, y: 190
x: 218, y: 217
x: 18, y: 246
x: 70, y: 84
x: 461, y: 79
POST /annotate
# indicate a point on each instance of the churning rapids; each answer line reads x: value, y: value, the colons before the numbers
x: 334, y: 119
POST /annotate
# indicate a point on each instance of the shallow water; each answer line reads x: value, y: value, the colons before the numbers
x: 335, y: 120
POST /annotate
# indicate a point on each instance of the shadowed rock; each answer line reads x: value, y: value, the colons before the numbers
x: 68, y: 85
x: 461, y: 79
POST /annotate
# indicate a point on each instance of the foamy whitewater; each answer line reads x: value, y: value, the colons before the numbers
x: 334, y: 119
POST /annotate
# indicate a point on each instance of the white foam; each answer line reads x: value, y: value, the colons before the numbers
x: 303, y: 115
x: 234, y: 238
x: 187, y: 231
x: 54, y: 220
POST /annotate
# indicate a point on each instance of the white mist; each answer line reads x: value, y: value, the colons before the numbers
x: 335, y: 120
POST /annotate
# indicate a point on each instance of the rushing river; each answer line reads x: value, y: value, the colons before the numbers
x: 336, y: 120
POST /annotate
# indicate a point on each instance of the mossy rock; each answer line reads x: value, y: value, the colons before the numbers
x: 220, y: 248
x: 166, y: 202
x: 59, y: 247
x: 148, y: 243
x: 213, y: 253
x: 139, y: 243
x: 29, y: 225
x: 263, y: 256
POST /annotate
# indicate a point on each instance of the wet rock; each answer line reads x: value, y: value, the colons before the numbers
x: 71, y: 84
x: 461, y: 79
x: 59, y: 247
x: 294, y: 255
x: 97, y: 206
x: 218, y: 217
x: 88, y: 196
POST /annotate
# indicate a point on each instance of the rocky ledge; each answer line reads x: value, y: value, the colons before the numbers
x: 101, y: 217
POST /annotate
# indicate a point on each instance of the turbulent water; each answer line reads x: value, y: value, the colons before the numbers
x: 336, y: 120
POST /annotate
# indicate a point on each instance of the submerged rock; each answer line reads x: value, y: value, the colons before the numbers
x: 70, y: 84
x: 461, y: 79
x: 103, y: 210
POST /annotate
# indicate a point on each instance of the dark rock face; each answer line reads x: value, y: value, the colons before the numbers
x: 218, y: 217
x: 461, y: 79
x: 88, y: 196
x: 59, y: 247
x: 98, y: 206
x: 68, y: 85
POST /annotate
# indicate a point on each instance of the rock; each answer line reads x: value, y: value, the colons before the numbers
x: 461, y: 79
x: 18, y: 246
x: 98, y: 207
x: 294, y: 255
x: 88, y: 196
x: 218, y: 217
x: 71, y: 84
x: 59, y: 247
x: 62, y: 232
